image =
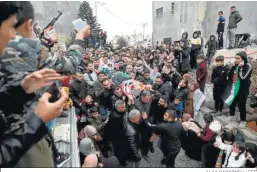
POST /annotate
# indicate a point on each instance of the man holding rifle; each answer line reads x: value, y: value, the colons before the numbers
x: 31, y: 128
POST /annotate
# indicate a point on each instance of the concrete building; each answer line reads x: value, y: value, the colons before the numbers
x: 172, y: 18
x: 45, y: 11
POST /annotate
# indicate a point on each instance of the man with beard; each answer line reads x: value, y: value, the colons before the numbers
x: 182, y: 91
x: 139, y: 69
x: 90, y: 76
x: 172, y: 75
x: 97, y: 86
x: 117, y: 95
x: 78, y: 91
x: 170, y: 133
x: 161, y: 88
x: 163, y: 106
x: 147, y: 80
x: 96, y: 64
x: 104, y: 97
x: 113, y: 130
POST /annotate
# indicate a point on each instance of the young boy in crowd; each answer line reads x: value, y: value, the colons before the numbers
x: 211, y: 46
x: 178, y: 105
x: 219, y: 81
x: 201, y: 72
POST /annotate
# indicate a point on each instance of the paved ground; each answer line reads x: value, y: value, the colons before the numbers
x: 181, y: 161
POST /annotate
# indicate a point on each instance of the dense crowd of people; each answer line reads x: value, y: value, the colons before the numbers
x: 124, y: 100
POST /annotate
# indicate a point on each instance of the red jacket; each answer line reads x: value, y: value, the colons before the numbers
x: 201, y: 72
x: 207, y: 134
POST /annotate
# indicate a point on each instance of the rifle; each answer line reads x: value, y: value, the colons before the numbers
x: 46, y: 41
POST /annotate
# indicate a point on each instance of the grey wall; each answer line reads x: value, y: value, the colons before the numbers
x: 201, y: 15
x: 46, y: 10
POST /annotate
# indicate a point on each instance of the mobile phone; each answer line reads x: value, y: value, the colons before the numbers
x: 79, y: 24
x: 54, y: 90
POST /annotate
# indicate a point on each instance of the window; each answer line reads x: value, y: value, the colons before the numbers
x: 172, y: 7
x: 159, y: 12
x: 181, y: 11
x: 185, y: 12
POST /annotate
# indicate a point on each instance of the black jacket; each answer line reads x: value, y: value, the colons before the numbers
x: 245, y: 73
x: 133, y: 140
x: 171, y: 133
x: 183, y: 58
x: 77, y: 92
x: 105, y: 98
x: 181, y: 93
x: 221, y: 24
x: 164, y: 89
x: 219, y: 76
x: 212, y: 44
x: 115, y: 125
x: 23, y: 132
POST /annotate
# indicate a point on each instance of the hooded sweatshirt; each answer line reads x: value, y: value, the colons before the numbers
x: 185, y: 36
x: 196, y: 42
x: 211, y: 44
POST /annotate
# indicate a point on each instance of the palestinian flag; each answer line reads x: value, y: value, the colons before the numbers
x: 234, y: 89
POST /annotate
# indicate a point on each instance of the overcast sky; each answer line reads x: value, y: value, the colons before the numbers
x: 126, y: 16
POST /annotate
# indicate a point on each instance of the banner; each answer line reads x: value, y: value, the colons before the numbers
x: 198, y: 99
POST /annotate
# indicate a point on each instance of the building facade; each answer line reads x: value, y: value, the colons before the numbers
x: 172, y: 18
x: 45, y: 11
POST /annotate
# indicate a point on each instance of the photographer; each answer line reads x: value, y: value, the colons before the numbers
x: 182, y: 52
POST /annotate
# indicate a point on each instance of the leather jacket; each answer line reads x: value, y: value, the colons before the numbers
x: 132, y: 135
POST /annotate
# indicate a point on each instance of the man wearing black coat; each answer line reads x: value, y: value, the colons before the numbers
x: 170, y: 134
x: 113, y: 131
x: 130, y: 126
x: 161, y: 88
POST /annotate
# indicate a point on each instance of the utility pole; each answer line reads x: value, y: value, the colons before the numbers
x: 96, y: 10
x: 144, y: 25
